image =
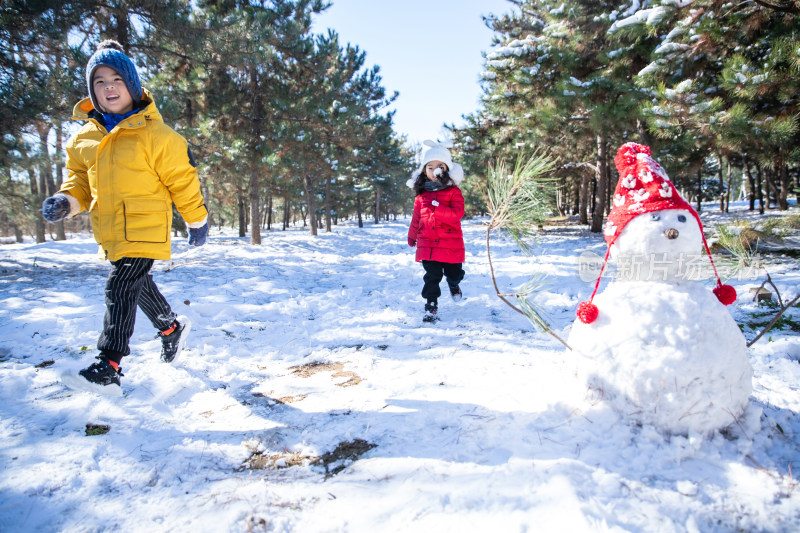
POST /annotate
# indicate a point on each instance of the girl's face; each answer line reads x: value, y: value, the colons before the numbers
x: 111, y: 92
x: 431, y: 167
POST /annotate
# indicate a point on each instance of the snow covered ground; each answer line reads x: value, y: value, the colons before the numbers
x: 313, y: 398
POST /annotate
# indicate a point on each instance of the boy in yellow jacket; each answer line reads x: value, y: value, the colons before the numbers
x: 127, y: 168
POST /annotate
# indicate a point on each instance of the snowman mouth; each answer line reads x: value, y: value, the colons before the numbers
x: 671, y: 233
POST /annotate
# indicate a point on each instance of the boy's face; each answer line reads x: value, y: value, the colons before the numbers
x: 111, y: 92
x: 430, y: 169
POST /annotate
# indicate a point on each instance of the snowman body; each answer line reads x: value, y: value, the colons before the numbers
x: 663, y: 350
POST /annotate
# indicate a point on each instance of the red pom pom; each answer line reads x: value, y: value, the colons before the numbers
x: 725, y: 294
x: 587, y: 312
x: 626, y: 156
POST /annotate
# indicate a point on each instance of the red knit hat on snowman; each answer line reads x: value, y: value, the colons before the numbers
x: 644, y: 187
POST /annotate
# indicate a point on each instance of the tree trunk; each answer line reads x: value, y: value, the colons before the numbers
x: 123, y: 27
x: 721, y: 184
x: 796, y: 185
x: 269, y: 210
x: 575, y: 191
x: 562, y: 197
x: 328, y: 202
x: 213, y: 219
x: 312, y: 208
x: 751, y: 185
x: 602, y: 184
x: 583, y: 200
x: 286, y: 210
x: 303, y: 214
x: 46, y: 183
x: 769, y: 185
x: 377, y: 205
x: 783, y: 194
x: 39, y: 198
x: 728, y: 189
x: 560, y: 200
x: 699, y: 203
x: 255, y: 161
x: 644, y: 135
x: 609, y: 185
x: 760, y: 189
x: 358, y: 209
x: 242, y: 211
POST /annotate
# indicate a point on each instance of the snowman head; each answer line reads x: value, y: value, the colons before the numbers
x: 648, y: 217
x: 657, y: 246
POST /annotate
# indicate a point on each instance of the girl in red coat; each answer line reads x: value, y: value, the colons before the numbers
x: 436, y: 225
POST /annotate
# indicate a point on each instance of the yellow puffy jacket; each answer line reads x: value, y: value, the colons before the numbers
x: 128, y: 179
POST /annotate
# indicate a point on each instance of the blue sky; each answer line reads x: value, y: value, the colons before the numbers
x: 428, y: 51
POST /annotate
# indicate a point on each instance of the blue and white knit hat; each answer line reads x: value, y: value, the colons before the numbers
x: 110, y: 54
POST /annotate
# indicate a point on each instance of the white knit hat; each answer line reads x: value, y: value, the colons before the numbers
x: 437, y: 152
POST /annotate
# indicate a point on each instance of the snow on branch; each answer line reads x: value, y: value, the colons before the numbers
x: 651, y: 17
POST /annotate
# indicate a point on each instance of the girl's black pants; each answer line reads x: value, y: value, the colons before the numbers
x: 434, y: 272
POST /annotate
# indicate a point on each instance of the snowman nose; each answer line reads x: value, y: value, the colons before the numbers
x: 671, y: 233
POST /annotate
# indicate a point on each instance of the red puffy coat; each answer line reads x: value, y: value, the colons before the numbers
x: 437, y: 229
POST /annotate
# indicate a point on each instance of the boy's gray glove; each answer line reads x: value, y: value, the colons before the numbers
x: 197, y: 236
x: 55, y: 208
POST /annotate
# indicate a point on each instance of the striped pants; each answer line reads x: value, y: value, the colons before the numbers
x: 129, y: 286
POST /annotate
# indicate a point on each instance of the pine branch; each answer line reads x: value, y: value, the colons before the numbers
x: 785, y: 6
x: 774, y: 320
x: 519, y: 202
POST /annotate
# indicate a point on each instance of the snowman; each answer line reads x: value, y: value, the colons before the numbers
x: 660, y: 347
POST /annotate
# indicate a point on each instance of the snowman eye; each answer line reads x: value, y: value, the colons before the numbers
x: 654, y: 217
x: 681, y: 218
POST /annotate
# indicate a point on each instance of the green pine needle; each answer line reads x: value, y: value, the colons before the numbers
x: 530, y: 308
x: 519, y: 202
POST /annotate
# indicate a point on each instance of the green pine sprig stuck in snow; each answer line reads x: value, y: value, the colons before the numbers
x: 519, y: 202
x: 745, y: 253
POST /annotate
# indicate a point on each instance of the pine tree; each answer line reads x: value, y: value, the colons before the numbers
x: 556, y: 74
x: 42, y: 78
x: 725, y: 82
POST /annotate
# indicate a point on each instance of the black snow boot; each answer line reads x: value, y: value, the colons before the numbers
x: 455, y: 292
x: 430, y: 312
x: 100, y: 377
x: 172, y: 343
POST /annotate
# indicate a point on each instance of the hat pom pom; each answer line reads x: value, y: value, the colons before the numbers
x: 112, y: 44
x: 625, y: 160
x: 587, y: 312
x: 725, y: 294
